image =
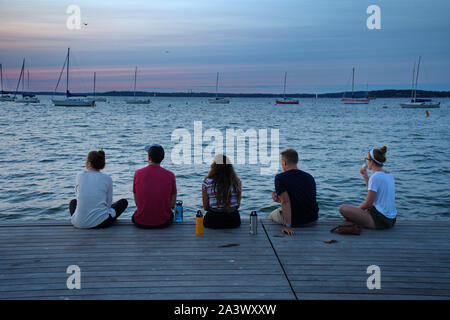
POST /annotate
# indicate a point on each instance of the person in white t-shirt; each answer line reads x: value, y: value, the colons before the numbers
x: 93, y: 207
x: 378, y: 210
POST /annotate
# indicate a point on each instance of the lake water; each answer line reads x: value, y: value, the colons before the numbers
x: 43, y: 147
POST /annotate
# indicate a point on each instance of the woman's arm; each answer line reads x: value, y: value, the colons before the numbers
x: 239, y: 194
x: 370, y: 199
x: 363, y: 172
x: 205, y: 200
x: 110, y: 193
x: 173, y: 200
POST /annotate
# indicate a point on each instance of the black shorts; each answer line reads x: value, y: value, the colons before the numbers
x: 222, y: 220
x: 381, y: 222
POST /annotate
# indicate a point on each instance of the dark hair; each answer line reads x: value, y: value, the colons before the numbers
x: 156, y: 154
x: 224, y: 179
x: 97, y: 159
x: 290, y: 156
x: 380, y: 154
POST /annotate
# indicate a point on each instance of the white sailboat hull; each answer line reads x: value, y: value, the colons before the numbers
x: 27, y: 100
x: 98, y: 99
x: 137, y: 101
x: 219, y: 101
x: 73, y: 102
x: 419, y: 105
x: 355, y: 101
x: 6, y: 98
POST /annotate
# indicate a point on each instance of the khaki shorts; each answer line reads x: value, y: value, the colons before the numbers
x: 277, y: 217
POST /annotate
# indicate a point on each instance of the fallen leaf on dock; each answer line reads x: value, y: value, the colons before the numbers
x: 229, y: 245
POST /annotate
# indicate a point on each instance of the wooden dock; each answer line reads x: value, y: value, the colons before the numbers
x: 123, y: 262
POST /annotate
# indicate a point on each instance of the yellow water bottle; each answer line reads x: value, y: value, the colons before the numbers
x: 199, y: 223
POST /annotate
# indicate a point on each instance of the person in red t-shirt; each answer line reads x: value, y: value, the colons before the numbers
x: 155, y: 192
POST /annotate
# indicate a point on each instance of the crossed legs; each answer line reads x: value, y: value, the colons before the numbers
x: 357, y: 215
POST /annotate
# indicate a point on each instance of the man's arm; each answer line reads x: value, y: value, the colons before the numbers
x: 275, y: 197
x: 287, y: 212
x: 135, y: 198
x: 173, y: 200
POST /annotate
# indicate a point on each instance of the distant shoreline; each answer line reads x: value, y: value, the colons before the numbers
x: 388, y: 93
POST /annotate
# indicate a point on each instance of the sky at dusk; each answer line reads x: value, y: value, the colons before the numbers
x: 179, y: 45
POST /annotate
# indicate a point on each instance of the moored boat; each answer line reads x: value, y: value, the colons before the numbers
x: 26, y: 97
x: 3, y: 96
x: 71, y: 100
x: 217, y: 99
x: 353, y: 99
x: 137, y: 100
x: 286, y: 100
x: 418, y: 103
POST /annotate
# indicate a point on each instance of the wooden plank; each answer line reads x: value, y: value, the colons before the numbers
x: 124, y: 261
x: 413, y: 259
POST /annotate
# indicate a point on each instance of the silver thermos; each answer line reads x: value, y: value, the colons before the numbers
x: 253, y: 223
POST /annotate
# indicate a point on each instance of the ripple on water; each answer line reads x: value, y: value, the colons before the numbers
x: 42, y: 150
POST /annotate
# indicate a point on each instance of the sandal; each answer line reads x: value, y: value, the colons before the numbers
x: 352, y: 229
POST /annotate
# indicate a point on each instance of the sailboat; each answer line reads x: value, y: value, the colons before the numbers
x: 217, y: 99
x: 95, y: 98
x: 354, y: 100
x: 3, y: 96
x: 70, y: 100
x: 418, y: 102
x: 286, y: 100
x: 135, y: 100
x: 26, y: 97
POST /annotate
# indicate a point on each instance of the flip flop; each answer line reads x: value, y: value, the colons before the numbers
x: 352, y: 229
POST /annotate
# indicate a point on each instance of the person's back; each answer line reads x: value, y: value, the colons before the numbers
x: 301, y: 188
x: 383, y: 184
x: 154, y: 191
x: 221, y: 195
x: 93, y: 207
x: 94, y: 199
x: 153, y: 186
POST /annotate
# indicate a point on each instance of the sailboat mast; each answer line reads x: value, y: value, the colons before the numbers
x: 217, y: 84
x: 28, y: 82
x: 353, y: 80
x: 68, y: 64
x: 135, y: 75
x: 412, y: 85
x: 284, y: 87
x: 94, y: 82
x: 23, y: 77
x: 20, y: 77
x: 1, y: 78
x: 417, y: 78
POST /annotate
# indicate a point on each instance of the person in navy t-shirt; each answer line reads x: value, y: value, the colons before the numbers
x: 296, y: 191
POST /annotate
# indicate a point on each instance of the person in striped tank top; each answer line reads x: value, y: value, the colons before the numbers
x: 221, y: 194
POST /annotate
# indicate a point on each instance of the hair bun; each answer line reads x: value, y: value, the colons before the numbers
x: 101, y: 153
x: 383, y: 149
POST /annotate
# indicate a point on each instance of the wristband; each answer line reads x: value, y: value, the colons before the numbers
x: 288, y: 225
